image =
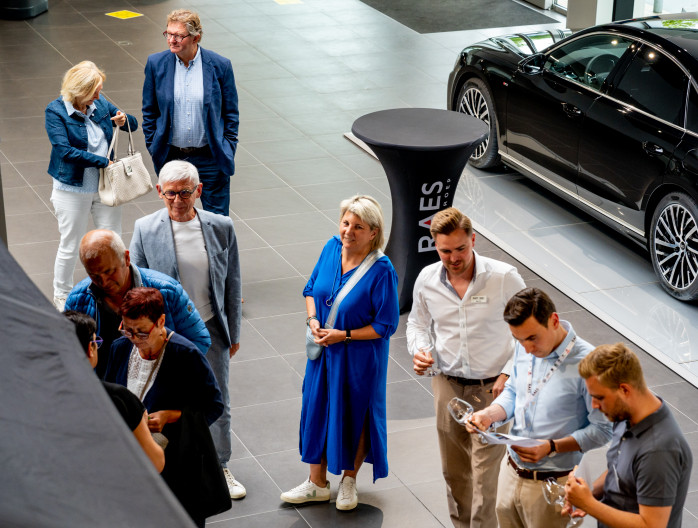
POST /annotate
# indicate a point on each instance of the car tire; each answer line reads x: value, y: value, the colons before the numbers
x: 673, y: 245
x: 475, y: 99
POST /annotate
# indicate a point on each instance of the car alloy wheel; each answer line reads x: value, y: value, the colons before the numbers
x: 674, y: 245
x: 475, y: 100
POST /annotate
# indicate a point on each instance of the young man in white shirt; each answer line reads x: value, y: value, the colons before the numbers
x: 463, y: 297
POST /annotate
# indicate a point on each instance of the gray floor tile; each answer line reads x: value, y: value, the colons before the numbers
x: 682, y: 396
x: 11, y: 177
x: 20, y: 150
x: 433, y: 496
x: 284, y: 518
x: 281, y: 382
x: 335, y: 143
x: 365, y: 166
x: 277, y: 297
x: 264, y: 264
x: 268, y: 203
x: 254, y: 178
x: 313, y: 171
x: 247, y: 239
x: 262, y: 494
x: 252, y: 346
x: 295, y: 228
x: 323, y: 194
x: 32, y: 227
x: 269, y: 427
x: 35, y: 258
x: 290, y: 150
x: 302, y: 255
x: 323, y: 123
x: 270, y: 129
x: 413, y: 453
x: 285, y: 333
x: 393, y: 507
x: 298, y: 362
x: 409, y: 406
x: 295, y: 105
x: 21, y: 201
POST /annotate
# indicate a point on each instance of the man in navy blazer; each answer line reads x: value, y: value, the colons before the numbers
x: 200, y: 250
x: 190, y: 109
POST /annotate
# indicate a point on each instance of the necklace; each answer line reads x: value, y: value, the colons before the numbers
x: 335, y: 287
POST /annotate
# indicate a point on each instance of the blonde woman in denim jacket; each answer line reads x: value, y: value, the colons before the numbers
x: 80, y: 125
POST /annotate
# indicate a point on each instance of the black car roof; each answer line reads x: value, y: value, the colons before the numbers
x: 677, y: 34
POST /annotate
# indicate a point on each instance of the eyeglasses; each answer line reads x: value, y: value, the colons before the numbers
x: 97, y: 341
x: 174, y: 36
x: 141, y: 336
x: 184, y: 194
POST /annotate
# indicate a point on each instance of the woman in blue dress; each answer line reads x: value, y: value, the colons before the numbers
x: 343, y: 418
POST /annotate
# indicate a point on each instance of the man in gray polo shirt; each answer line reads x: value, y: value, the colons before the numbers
x: 649, y: 461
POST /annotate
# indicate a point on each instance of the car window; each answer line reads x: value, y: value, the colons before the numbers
x: 655, y: 84
x: 588, y: 60
x: 692, y: 114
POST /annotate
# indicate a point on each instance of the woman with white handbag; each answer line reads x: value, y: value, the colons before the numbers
x: 80, y: 125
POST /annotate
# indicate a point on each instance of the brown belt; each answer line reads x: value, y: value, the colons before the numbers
x: 531, y: 474
x: 178, y: 152
x: 467, y: 381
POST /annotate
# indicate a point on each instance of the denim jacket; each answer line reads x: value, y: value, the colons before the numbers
x: 68, y: 136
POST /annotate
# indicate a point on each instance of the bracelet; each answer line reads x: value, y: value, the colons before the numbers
x: 307, y: 321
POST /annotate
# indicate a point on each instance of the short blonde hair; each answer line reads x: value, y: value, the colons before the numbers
x: 613, y: 365
x: 190, y: 19
x: 81, y: 81
x: 369, y: 210
x: 449, y: 220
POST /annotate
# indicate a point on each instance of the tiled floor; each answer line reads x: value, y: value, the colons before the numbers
x: 304, y: 71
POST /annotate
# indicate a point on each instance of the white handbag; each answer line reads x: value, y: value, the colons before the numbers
x: 127, y: 178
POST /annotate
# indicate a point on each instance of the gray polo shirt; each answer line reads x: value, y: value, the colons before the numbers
x: 649, y: 464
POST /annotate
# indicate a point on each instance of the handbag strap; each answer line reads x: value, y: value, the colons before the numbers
x: 365, y: 265
x: 114, y: 145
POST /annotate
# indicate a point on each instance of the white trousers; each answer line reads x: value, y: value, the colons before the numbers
x: 73, y: 213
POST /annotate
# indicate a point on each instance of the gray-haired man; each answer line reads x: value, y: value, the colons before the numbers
x: 200, y: 250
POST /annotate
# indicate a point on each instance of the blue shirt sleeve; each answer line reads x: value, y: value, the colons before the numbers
x: 385, y: 303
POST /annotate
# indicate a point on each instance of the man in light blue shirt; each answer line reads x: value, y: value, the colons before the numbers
x: 190, y: 109
x: 548, y: 401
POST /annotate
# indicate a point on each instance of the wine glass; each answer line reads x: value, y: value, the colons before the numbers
x: 462, y: 412
x: 428, y: 350
x: 554, y: 494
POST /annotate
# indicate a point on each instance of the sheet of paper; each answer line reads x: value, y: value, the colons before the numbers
x: 500, y: 438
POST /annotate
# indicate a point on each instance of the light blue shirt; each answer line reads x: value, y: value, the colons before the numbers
x: 561, y: 408
x: 96, y: 144
x: 188, y: 119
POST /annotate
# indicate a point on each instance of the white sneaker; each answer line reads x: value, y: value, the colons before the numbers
x: 59, y: 303
x: 306, y: 492
x: 237, y: 490
x: 348, y: 495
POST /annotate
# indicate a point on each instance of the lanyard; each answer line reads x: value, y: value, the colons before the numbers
x: 530, y: 396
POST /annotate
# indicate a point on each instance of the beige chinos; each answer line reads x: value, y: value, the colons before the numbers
x: 469, y: 467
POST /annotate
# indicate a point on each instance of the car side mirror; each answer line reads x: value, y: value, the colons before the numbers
x: 532, y: 64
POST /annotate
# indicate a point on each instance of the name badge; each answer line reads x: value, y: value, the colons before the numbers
x: 479, y: 299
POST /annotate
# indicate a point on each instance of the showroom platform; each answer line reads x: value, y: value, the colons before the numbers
x: 305, y: 70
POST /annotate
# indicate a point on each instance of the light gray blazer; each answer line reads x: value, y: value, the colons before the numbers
x: 152, y: 246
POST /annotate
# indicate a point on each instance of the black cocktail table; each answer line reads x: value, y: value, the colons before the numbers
x: 423, y: 152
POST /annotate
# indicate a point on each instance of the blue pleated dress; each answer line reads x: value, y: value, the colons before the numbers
x: 345, y: 386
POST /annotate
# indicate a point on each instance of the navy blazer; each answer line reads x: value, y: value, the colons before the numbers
x: 152, y: 246
x: 221, y: 117
x: 185, y: 378
x: 68, y: 137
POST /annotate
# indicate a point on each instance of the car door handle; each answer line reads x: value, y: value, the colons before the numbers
x: 652, y: 149
x: 571, y: 110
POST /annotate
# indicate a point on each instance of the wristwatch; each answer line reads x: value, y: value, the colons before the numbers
x: 348, y: 338
x: 553, y: 451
